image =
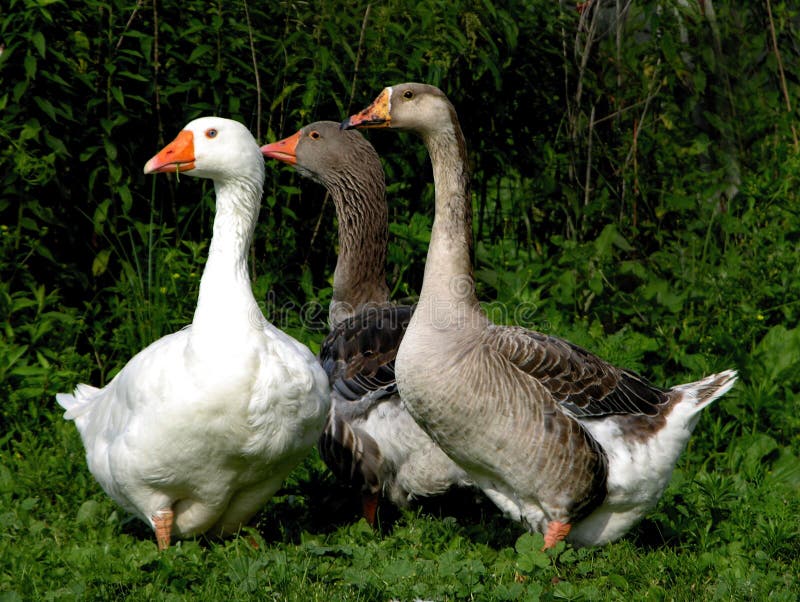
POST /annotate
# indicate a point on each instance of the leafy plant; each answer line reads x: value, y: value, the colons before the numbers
x: 634, y: 191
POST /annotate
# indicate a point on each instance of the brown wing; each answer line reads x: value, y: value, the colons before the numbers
x: 352, y: 455
x: 579, y: 381
x: 358, y: 355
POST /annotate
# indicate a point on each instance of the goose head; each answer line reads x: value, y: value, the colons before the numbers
x: 351, y: 171
x: 328, y: 155
x: 210, y: 147
x: 412, y: 106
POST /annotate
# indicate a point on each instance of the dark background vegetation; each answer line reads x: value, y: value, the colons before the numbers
x: 635, y: 185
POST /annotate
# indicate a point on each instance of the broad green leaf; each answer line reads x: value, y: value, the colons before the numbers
x: 111, y: 149
x: 126, y: 197
x: 30, y: 66
x: 38, y: 42
x: 199, y: 51
x: 46, y: 106
x: 100, y: 262
x: 118, y: 95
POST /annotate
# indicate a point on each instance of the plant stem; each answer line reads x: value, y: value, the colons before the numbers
x: 155, y: 74
x: 255, y: 70
x: 359, y: 52
x: 781, y: 72
x: 128, y: 24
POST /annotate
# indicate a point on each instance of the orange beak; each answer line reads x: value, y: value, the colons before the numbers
x: 283, y: 150
x: 178, y: 155
x: 376, y: 115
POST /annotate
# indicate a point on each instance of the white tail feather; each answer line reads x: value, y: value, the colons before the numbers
x: 707, y: 390
x: 77, y: 403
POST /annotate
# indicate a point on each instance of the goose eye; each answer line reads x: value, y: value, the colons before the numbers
x: 408, y: 95
x: 314, y: 135
x: 211, y: 133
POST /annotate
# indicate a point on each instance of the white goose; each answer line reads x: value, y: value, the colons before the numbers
x: 200, y: 428
x: 558, y: 438
x: 370, y: 439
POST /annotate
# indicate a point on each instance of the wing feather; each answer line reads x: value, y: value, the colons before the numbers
x: 582, y: 384
x: 358, y: 355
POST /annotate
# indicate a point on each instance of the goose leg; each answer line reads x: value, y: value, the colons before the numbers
x: 162, y: 521
x: 556, y: 531
x: 369, y: 507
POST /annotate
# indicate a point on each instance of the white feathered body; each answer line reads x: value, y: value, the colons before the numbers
x: 204, y: 424
x: 639, y: 470
x: 215, y: 429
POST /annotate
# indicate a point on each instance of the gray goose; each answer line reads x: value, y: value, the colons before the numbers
x: 559, y: 439
x: 370, y: 440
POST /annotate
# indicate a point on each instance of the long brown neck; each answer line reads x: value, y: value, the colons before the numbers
x: 448, y: 286
x: 360, y: 275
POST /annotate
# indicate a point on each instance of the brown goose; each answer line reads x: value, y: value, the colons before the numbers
x: 370, y: 440
x: 558, y: 438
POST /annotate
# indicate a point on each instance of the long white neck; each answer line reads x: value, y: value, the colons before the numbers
x: 226, y: 305
x: 448, y: 289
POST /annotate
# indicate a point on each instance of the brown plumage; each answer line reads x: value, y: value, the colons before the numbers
x: 582, y: 383
x: 557, y: 437
x: 358, y: 354
x: 370, y: 440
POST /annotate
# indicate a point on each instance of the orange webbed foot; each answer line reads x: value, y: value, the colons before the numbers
x: 162, y: 520
x: 556, y: 531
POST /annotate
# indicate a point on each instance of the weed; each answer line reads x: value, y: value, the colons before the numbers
x: 635, y: 191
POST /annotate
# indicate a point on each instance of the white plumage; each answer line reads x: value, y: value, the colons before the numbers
x: 200, y: 428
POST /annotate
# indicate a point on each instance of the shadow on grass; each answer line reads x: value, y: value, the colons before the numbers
x: 317, y: 503
x: 322, y: 505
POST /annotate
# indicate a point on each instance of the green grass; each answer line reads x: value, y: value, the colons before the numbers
x: 730, y: 533
x: 660, y: 268
x: 727, y: 527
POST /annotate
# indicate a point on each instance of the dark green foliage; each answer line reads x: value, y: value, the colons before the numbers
x: 635, y: 186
